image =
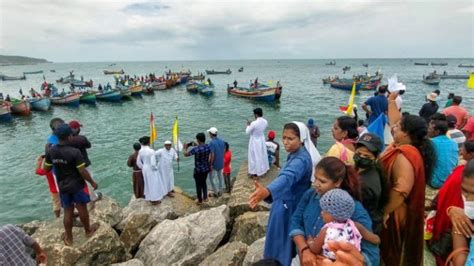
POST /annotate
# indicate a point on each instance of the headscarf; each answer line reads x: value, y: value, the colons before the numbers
x: 308, y: 144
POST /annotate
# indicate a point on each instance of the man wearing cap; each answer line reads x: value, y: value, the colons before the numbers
x: 164, y: 159
x: 313, y: 131
x: 273, y: 149
x: 71, y: 175
x: 374, y: 198
x: 216, y: 159
x: 257, y: 151
x: 430, y: 108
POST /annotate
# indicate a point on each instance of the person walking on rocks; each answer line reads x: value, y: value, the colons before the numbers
x: 154, y: 186
x: 257, y: 150
x: 164, y: 159
x: 217, y: 160
x: 137, y: 176
x: 71, y: 174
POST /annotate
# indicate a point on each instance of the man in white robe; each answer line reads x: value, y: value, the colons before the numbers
x: 154, y: 188
x: 164, y: 158
x: 257, y: 151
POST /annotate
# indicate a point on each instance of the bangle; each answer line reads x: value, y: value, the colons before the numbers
x: 303, y: 249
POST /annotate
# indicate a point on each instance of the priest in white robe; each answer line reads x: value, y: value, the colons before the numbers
x: 165, y: 157
x: 154, y: 189
x: 257, y: 151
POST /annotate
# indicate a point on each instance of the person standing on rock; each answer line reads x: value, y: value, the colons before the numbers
x: 257, y: 151
x: 137, y: 176
x: 201, y: 154
x: 71, y: 174
x: 217, y: 161
x: 164, y: 159
x: 286, y: 190
x: 154, y: 186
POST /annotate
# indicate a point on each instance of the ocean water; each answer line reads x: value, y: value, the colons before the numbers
x: 113, y: 128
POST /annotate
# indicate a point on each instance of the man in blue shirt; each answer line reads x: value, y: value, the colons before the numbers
x: 446, y: 150
x: 378, y: 104
x: 53, y: 139
x: 217, y: 160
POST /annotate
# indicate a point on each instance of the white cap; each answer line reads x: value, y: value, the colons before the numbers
x: 168, y: 142
x: 212, y: 130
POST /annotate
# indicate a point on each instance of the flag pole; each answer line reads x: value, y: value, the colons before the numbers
x: 177, y: 140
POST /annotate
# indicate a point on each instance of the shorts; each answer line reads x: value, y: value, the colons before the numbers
x: 69, y: 199
x: 56, y: 201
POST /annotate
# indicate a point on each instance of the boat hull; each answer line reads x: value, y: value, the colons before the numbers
x: 69, y: 100
x: 33, y: 72
x: 88, y: 97
x: 432, y: 82
x: 212, y: 72
x: 42, y: 104
x: 112, y: 72
x: 136, y: 91
x: 345, y: 86
x: 21, y: 108
x: 109, y: 96
x: 5, y: 113
x: 192, y: 87
x: 265, y: 95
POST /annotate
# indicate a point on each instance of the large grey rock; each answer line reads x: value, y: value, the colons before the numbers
x: 104, y: 247
x: 133, y: 262
x: 249, y: 227
x: 185, y: 240
x: 244, y: 187
x: 31, y: 227
x: 232, y: 253
x: 254, y: 252
x: 137, y: 227
x: 107, y: 210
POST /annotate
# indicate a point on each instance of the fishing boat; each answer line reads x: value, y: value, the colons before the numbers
x: 265, y: 94
x: 365, y: 65
x: 170, y: 83
x: 420, y: 64
x: 241, y: 69
x: 192, y: 87
x: 214, y: 72
x: 331, y: 63
x: 81, y: 84
x: 52, y: 70
x: 205, y: 89
x: 438, y: 64
x: 33, y: 72
x: 345, y: 85
x: 158, y: 85
x: 66, y: 80
x: 469, y: 66
x: 20, y: 107
x: 40, y: 104
x: 136, y: 90
x: 5, y: 78
x: 71, y: 99
x: 458, y: 76
x: 198, y: 77
x: 5, y: 112
x: 112, y: 72
x: 328, y: 80
x: 432, y: 79
x: 88, y: 97
x: 346, y: 68
x: 109, y: 95
x: 124, y: 92
x: 370, y: 85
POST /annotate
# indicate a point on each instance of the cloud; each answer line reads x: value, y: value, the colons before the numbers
x: 145, y: 8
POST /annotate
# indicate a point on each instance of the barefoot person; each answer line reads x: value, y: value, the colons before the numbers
x: 71, y: 175
x: 257, y: 151
x: 165, y: 157
x: 137, y: 176
x: 154, y: 185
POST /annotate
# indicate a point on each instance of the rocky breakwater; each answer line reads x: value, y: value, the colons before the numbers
x: 225, y: 231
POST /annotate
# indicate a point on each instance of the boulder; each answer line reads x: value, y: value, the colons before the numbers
x: 137, y: 227
x: 186, y: 240
x: 244, y: 187
x: 107, y: 210
x: 250, y: 227
x: 232, y: 253
x: 133, y: 262
x: 31, y: 227
x: 254, y: 252
x: 104, y: 247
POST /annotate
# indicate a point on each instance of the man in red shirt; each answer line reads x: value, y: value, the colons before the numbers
x: 459, y: 112
x: 469, y: 129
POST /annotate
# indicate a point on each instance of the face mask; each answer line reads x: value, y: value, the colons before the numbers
x: 364, y: 163
x: 468, y: 208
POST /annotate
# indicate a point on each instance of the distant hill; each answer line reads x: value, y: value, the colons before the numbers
x: 6, y: 60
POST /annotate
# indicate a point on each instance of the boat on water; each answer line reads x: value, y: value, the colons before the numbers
x: 461, y: 76
x: 136, y: 90
x: 33, y: 72
x: 432, y: 79
x: 5, y: 78
x: 198, y: 77
x: 124, y: 92
x: 205, y: 89
x: 110, y: 95
x: 71, y: 99
x: 241, y: 69
x: 346, y: 68
x: 365, y: 65
x: 112, y: 72
x: 421, y: 64
x: 468, y: 66
x: 81, y: 84
x: 20, y: 107
x: 158, y: 85
x: 192, y: 87
x: 328, y: 80
x: 5, y: 112
x: 438, y: 64
x: 331, y: 63
x: 214, y: 72
x: 261, y: 93
x: 40, y: 104
x: 52, y: 70
x: 345, y: 85
x: 88, y: 97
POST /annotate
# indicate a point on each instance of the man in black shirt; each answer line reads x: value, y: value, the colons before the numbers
x: 71, y: 175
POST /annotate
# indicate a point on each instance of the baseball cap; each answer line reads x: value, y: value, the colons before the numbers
x: 212, y: 130
x: 271, y: 134
x: 371, y: 141
x: 74, y: 124
x: 63, y: 130
x: 310, y: 122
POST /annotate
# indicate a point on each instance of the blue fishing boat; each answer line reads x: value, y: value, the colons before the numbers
x: 71, y: 99
x: 109, y: 96
x: 5, y: 113
x: 40, y: 104
x: 343, y: 85
x: 88, y: 97
x: 205, y: 89
x: 192, y: 87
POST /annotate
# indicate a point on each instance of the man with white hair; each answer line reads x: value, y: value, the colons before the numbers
x: 164, y: 160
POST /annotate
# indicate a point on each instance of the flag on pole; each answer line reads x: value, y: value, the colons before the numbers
x: 349, y: 109
x: 152, y: 129
x: 470, y: 81
x: 175, y: 136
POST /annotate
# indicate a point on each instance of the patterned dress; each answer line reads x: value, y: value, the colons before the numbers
x: 337, y: 231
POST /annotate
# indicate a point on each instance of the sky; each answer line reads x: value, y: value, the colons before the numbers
x: 138, y: 30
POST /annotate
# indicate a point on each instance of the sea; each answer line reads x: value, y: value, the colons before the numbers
x: 112, y: 128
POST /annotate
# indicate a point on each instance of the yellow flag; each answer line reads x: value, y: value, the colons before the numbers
x: 270, y: 83
x: 175, y: 133
x: 350, y: 106
x: 470, y: 81
x: 152, y: 129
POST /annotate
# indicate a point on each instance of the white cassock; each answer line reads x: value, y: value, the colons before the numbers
x: 258, y: 158
x: 154, y: 188
x: 165, y: 159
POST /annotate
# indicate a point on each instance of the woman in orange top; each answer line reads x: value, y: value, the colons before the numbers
x: 344, y: 131
x: 405, y: 163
